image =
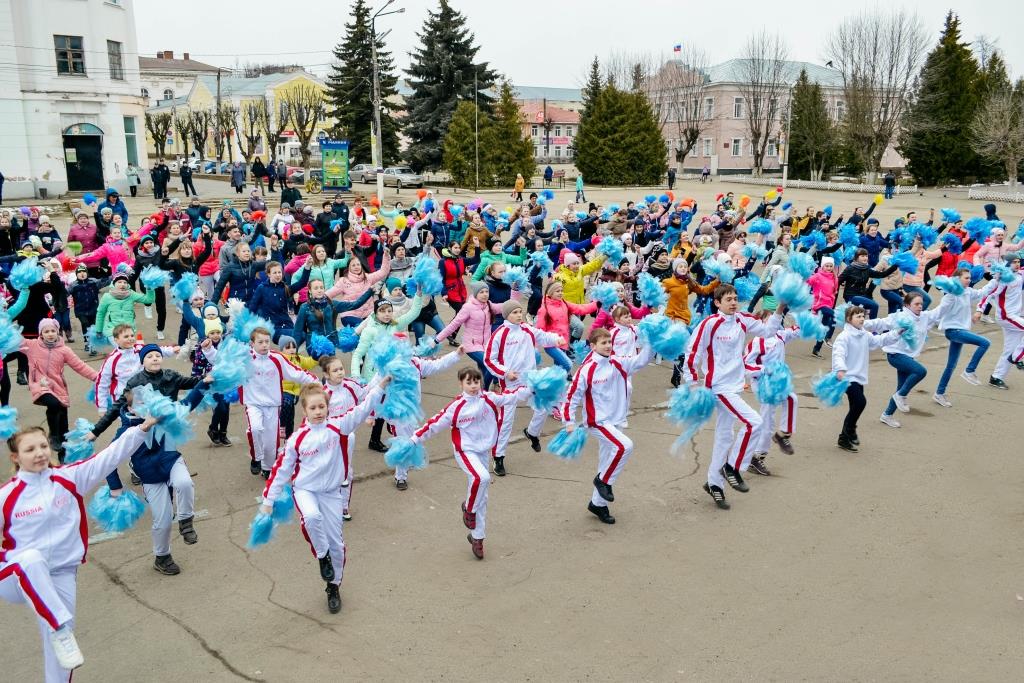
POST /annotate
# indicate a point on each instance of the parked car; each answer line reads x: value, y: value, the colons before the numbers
x: 402, y: 176
x: 209, y: 167
x: 362, y: 173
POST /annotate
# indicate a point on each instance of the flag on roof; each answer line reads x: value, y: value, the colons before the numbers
x: 678, y: 47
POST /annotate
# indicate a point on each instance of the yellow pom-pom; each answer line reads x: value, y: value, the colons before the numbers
x: 770, y: 195
x: 878, y: 199
x: 401, y: 221
x: 374, y: 210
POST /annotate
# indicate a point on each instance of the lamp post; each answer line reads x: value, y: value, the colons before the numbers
x: 378, y: 147
x: 785, y: 153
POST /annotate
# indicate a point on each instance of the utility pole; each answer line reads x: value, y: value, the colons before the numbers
x: 216, y: 123
x: 785, y: 153
x: 378, y: 146
x: 547, y: 130
x: 476, y: 126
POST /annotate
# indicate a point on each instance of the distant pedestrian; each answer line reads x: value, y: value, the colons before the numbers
x: 890, y: 184
x: 132, y: 172
x: 580, y: 197
x: 186, y: 180
x: 282, y: 171
x: 271, y: 175
x: 238, y: 177
x: 259, y: 172
x: 671, y: 178
x: 1, y: 188
x: 161, y: 176
x: 705, y: 174
x: 549, y: 173
x: 517, y: 190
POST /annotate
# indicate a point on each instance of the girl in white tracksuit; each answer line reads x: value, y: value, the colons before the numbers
x: 343, y: 394
x: 511, y: 353
x: 46, y: 535
x: 761, y: 352
x: 1006, y: 298
x: 474, y: 418
x: 625, y: 342
x: 716, y: 349
x: 850, y: 362
x: 902, y: 356
x: 602, y: 386
x: 119, y: 366
x: 956, y: 313
x: 316, y: 462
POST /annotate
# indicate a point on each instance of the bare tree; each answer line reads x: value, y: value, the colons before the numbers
x: 183, y: 124
x: 878, y: 55
x: 201, y: 120
x: 248, y: 126
x: 678, y: 92
x: 632, y: 70
x: 222, y: 132
x: 307, y: 107
x: 763, y: 72
x: 984, y: 47
x: 159, y: 125
x: 997, y: 131
x: 273, y: 120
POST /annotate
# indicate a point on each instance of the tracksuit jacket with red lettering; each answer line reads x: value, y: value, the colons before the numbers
x: 717, y: 348
x: 474, y: 420
x: 513, y: 348
x: 118, y: 367
x: 602, y: 387
x: 263, y: 388
x: 1004, y: 297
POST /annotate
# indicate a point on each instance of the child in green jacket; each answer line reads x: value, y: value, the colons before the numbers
x: 117, y: 305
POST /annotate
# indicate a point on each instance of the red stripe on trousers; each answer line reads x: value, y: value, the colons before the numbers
x: 618, y: 456
x: 37, y: 604
x: 789, y: 418
x: 746, y: 432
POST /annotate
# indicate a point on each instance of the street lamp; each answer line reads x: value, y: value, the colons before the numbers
x: 378, y: 147
x: 789, y: 123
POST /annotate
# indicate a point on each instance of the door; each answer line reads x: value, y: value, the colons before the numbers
x: 84, y: 161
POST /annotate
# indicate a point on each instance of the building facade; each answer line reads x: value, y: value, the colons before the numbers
x: 72, y: 109
x: 166, y: 78
x: 551, y: 129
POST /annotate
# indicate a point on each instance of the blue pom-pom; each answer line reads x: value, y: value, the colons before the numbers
x: 754, y: 251
x: 908, y: 329
x: 667, y: 337
x: 977, y: 272
x: 605, y: 294
x: 923, y: 232
x: 247, y: 321
x: 810, y: 325
x: 319, y: 345
x: 283, y: 506
x: 787, y: 206
x: 830, y: 389
x: 547, y: 194
x: 116, y: 514
x: 348, y: 339
x: 580, y: 350
x: 8, y: 422
x: 96, y: 340
x: 542, y: 262
x: 426, y: 348
x: 746, y: 286
x: 650, y: 198
x: 664, y: 199
x: 183, y: 289
x: 10, y: 335
x: 791, y: 290
x: 813, y: 240
x: 76, y: 447
x: 88, y: 198
x: 404, y: 452
x: 581, y: 215
x: 840, y: 315
x: 261, y: 530
x: 848, y: 236
x: 90, y: 395
x: 154, y: 278
x: 978, y: 229
x: 954, y: 245
x: 568, y: 445
x: 614, y: 208
x: 1001, y: 272
x: 690, y: 407
x: 950, y: 215
x: 517, y: 279
x: 775, y: 383
x: 612, y: 248
x: 173, y: 426
x: 548, y: 386
x: 905, y: 262
x: 723, y: 271
x: 760, y: 226
x: 455, y: 210
x: 650, y: 291
x: 426, y: 276
x: 950, y: 285
x: 231, y: 396
x: 802, y: 264
x: 393, y: 356
x: 25, y: 273
x: 827, y: 210
x: 428, y: 205
x: 232, y: 366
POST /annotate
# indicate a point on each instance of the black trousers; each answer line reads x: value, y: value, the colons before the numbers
x: 855, y: 395
x: 161, y: 305
x: 56, y: 421
x: 188, y: 185
x: 134, y: 189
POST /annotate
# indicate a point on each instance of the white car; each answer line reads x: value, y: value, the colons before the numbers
x: 402, y: 176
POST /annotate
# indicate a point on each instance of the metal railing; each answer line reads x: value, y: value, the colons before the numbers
x: 816, y: 184
x: 985, y: 193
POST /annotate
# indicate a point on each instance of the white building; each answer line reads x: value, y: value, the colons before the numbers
x: 71, y: 107
x: 166, y: 78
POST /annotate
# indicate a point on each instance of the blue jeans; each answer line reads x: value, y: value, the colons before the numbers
x: 889, y: 189
x: 560, y: 358
x: 478, y: 356
x: 828, y: 319
x: 893, y: 298
x: 924, y: 295
x: 867, y: 304
x: 908, y: 373
x: 350, y: 321
x: 957, y: 339
x: 419, y: 328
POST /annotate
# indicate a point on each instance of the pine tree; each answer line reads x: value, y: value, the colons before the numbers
x: 621, y: 142
x: 442, y: 73
x: 933, y: 138
x: 458, y: 148
x: 350, y: 90
x: 812, y: 135
x: 507, y: 150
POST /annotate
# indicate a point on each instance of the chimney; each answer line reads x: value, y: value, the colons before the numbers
x: 168, y: 54
x: 185, y: 57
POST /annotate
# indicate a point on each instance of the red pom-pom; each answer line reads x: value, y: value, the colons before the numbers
x: 779, y: 189
x: 719, y: 197
x: 259, y: 215
x: 671, y: 196
x: 374, y: 201
x: 421, y: 193
x: 308, y: 229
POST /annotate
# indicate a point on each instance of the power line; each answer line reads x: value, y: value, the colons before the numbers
x: 191, y: 54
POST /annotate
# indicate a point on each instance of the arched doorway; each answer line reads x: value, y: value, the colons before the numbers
x: 83, y: 157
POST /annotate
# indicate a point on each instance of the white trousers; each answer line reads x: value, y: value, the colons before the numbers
x: 320, y: 514
x: 508, y: 419
x: 1013, y: 339
x: 403, y: 430
x: 27, y: 579
x: 787, y: 423
x: 160, y: 505
x: 208, y: 283
x: 613, y: 451
x: 263, y: 433
x: 474, y: 464
x: 731, y: 447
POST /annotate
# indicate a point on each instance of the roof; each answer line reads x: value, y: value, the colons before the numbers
x: 732, y: 71
x: 162, y: 105
x: 161, y: 64
x: 523, y: 92
x: 250, y: 87
x: 531, y: 109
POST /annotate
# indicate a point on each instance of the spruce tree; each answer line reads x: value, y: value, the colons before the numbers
x: 812, y: 135
x: 440, y: 75
x: 621, y: 142
x: 933, y: 138
x: 508, y: 151
x: 458, y: 147
x: 592, y: 89
x: 350, y: 90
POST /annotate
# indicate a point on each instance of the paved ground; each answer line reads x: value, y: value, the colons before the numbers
x: 897, y: 563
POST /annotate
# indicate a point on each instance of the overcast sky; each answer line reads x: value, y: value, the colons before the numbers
x: 535, y: 42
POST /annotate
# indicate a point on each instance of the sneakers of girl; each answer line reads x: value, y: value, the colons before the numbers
x: 733, y: 477
x: 326, y: 568
x: 346, y: 515
x: 942, y: 400
x: 601, y: 513
x: 65, y: 648
x: 148, y: 310
x: 847, y: 444
x: 970, y: 378
x: 889, y: 420
x: 901, y: 403
x: 785, y: 445
x: 333, y: 598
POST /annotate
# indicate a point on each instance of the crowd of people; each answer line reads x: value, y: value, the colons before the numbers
x: 316, y: 293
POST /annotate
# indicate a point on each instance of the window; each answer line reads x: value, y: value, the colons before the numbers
x: 737, y: 107
x: 558, y: 152
x: 130, y: 141
x: 840, y: 110
x: 70, y: 55
x: 695, y: 109
x: 708, y: 146
x: 568, y: 152
x: 773, y: 107
x: 114, y: 59
x: 536, y: 152
x: 709, y: 108
x: 533, y: 131
x: 145, y: 93
x: 737, y: 146
x: 772, y: 148
x: 168, y: 94
x: 568, y: 131
x: 558, y: 131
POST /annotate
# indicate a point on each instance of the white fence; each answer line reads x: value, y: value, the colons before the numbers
x: 984, y: 193
x: 816, y: 184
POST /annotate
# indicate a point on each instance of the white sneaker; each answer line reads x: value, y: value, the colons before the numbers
x: 65, y: 648
x: 889, y: 420
x: 970, y: 378
x: 901, y: 403
x: 160, y: 335
x: 987, y: 319
x: 148, y: 310
x: 623, y: 425
x: 942, y: 400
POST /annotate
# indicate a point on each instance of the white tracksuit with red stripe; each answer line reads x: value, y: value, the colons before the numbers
x: 262, y: 396
x: 513, y: 348
x: 316, y: 461
x: 1005, y: 297
x: 342, y: 397
x: 717, y: 349
x: 602, y: 386
x: 46, y: 537
x: 475, y: 422
x: 762, y: 351
x: 118, y: 367
x: 624, y: 341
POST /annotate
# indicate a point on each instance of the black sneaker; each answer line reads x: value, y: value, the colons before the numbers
x: 718, y: 495
x: 604, y: 490
x: 223, y: 439
x: 1019, y: 364
x: 254, y: 467
x: 333, y: 598
x: 166, y: 566
x: 377, y: 446
x: 326, y: 568
x: 187, y: 531
x: 214, y: 436
x: 266, y: 474
x: 452, y: 341
x: 997, y: 383
x: 784, y: 443
x: 601, y: 513
x: 135, y: 479
x: 854, y: 440
x: 757, y: 466
x: 732, y: 476
x: 22, y: 378
x: 677, y: 377
x: 816, y: 352
x: 534, y: 441
x: 401, y: 484
x: 847, y: 444
x: 499, y: 466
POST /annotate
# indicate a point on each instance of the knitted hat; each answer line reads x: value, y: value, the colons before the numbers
x: 570, y: 259
x: 872, y: 221
x: 214, y: 325
x: 48, y: 322
x: 391, y: 283
x: 148, y: 349
x: 509, y: 306
x: 211, y: 307
x: 827, y: 261
x: 82, y: 268
x: 121, y: 275
x: 147, y: 238
x: 491, y: 241
x: 380, y: 303
x: 475, y: 287
x: 284, y: 340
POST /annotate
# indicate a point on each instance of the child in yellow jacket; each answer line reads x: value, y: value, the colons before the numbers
x: 290, y: 390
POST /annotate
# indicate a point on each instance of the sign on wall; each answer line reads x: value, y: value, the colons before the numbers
x: 334, y: 161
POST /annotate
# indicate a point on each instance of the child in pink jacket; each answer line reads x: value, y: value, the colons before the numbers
x: 554, y: 316
x: 824, y: 286
x: 475, y: 318
x: 116, y: 250
x: 604, y: 317
x: 354, y: 283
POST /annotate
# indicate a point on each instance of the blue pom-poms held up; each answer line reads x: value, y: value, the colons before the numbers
x: 10, y: 335
x: 612, y: 248
x: 116, y: 514
x: 154, y: 278
x: 746, y: 286
x: 1001, y: 272
x: 183, y: 289
x: 950, y: 285
x: 754, y: 251
x: 568, y: 445
x: 978, y: 229
x: 954, y: 245
x: 723, y: 271
x: 232, y: 366
x: 689, y: 407
x: 791, y: 289
x: 667, y: 337
x: 25, y: 273
x: 426, y: 276
x: 88, y: 199
x: 245, y: 322
x: 760, y: 226
x: 542, y: 262
x: 319, y: 345
x: 8, y: 422
x: 775, y: 383
x: 173, y: 426
x: 404, y: 452
x: 348, y: 339
x: 548, y: 386
x: 393, y: 356
x: 97, y: 340
x: 950, y: 215
x: 650, y: 291
x: 517, y: 279
x: 580, y: 350
x: 802, y: 264
x: 830, y: 389
x: 76, y: 446
x: 605, y: 294
x: 261, y: 530
x: 810, y: 325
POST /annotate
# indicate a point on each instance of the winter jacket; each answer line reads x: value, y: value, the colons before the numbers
x: 482, y: 234
x: 167, y: 382
x: 350, y: 287
x: 488, y: 257
x: 475, y: 320
x: 604, y: 317
x: 856, y: 277
x: 573, y: 290
x: 46, y: 368
x: 851, y: 349
x: 453, y: 272
x: 991, y: 252
x: 824, y: 287
x: 307, y: 323
x: 117, y: 207
x: 373, y: 330
x: 270, y: 301
x: 553, y: 316
x: 242, y: 278
x: 86, y: 295
x: 679, y: 290
x: 85, y: 235
x: 113, y: 311
x: 116, y: 253
x: 874, y: 246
